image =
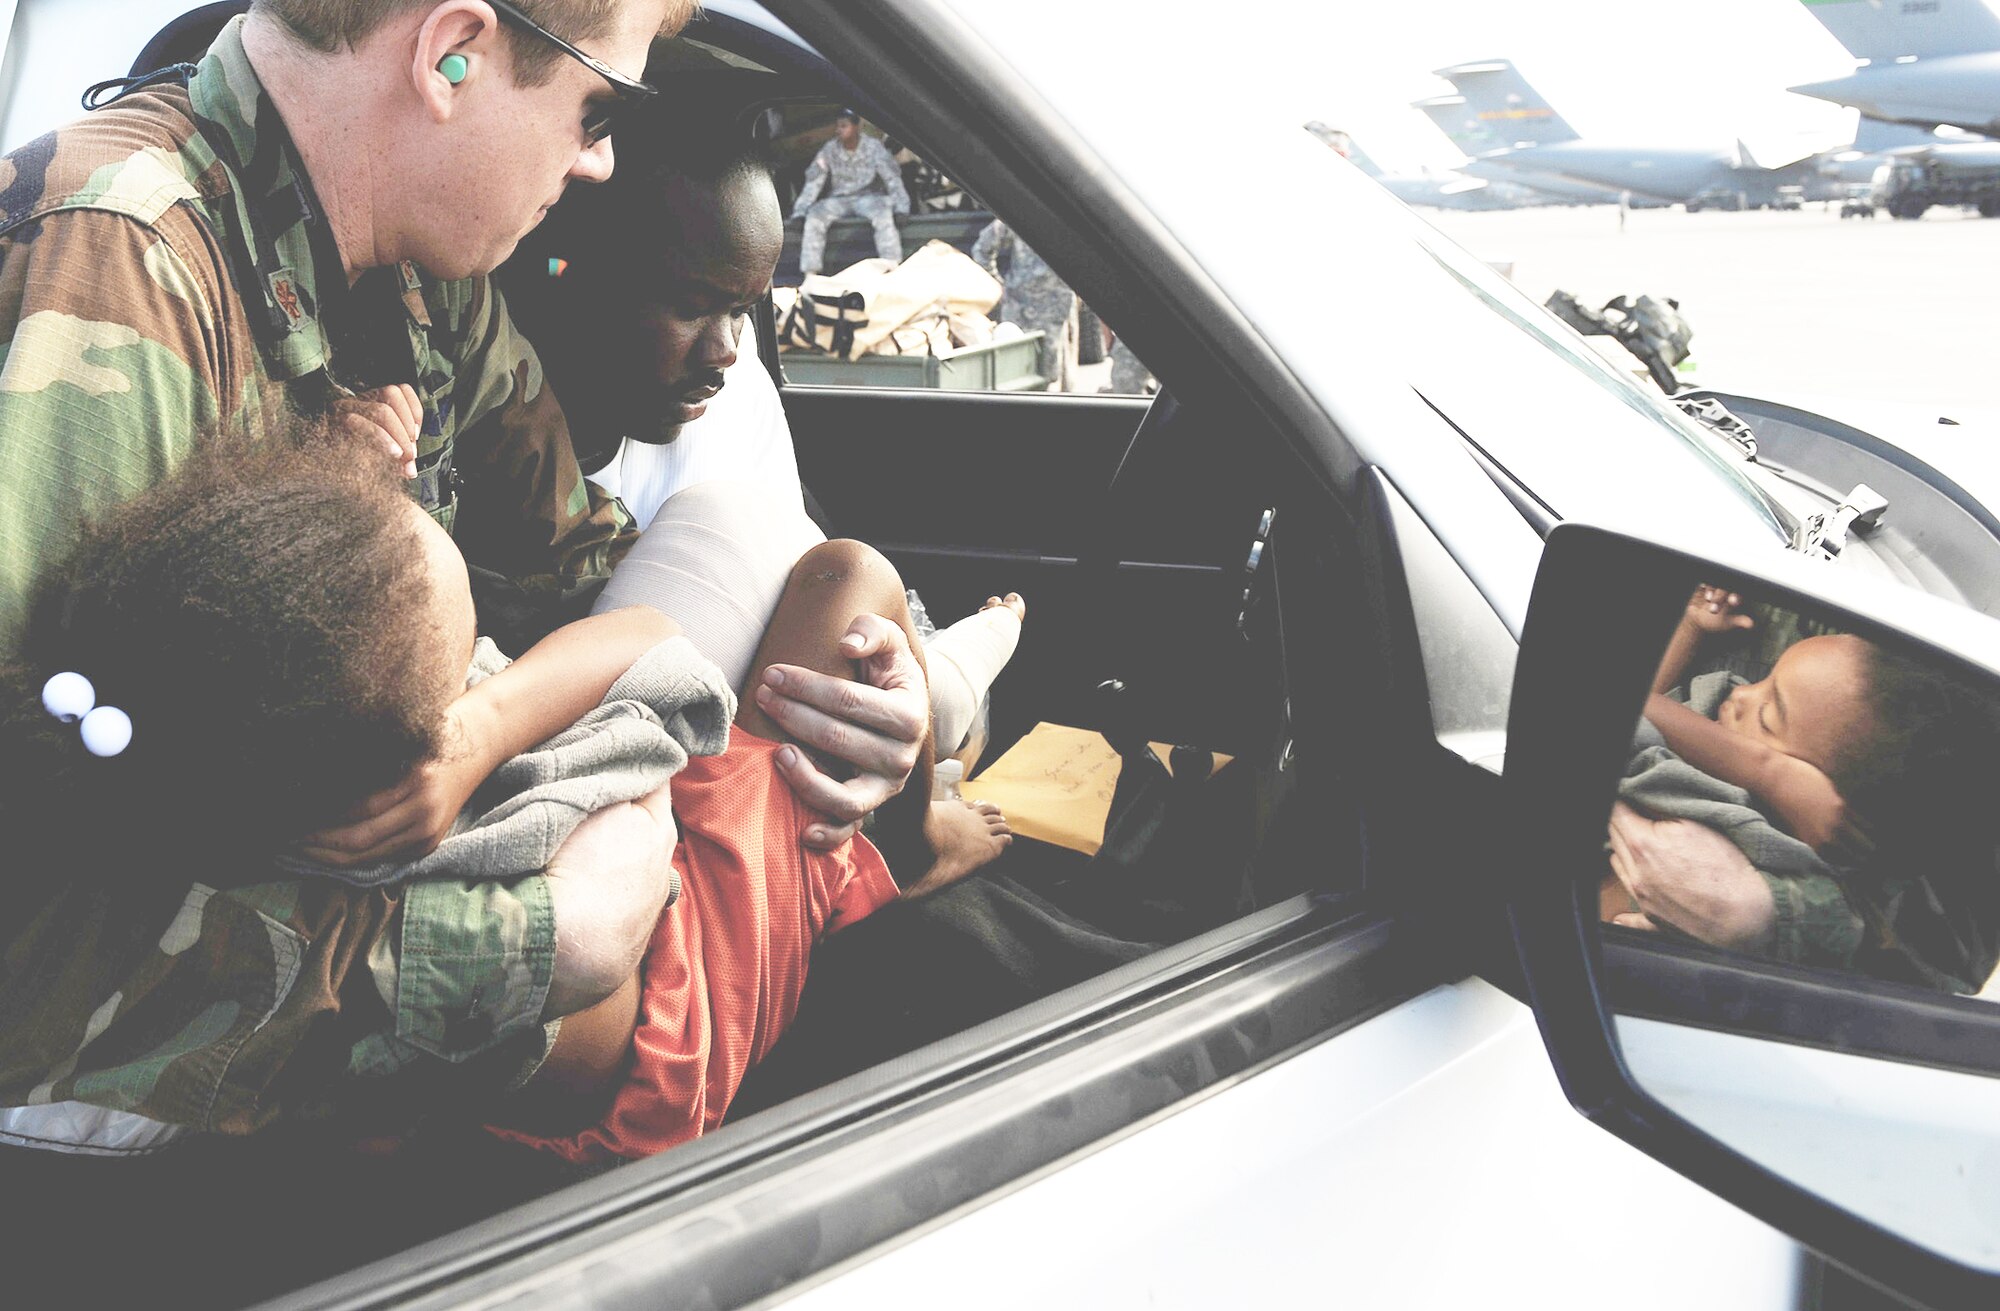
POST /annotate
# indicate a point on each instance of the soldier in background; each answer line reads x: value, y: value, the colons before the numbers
x: 1034, y: 298
x: 865, y: 183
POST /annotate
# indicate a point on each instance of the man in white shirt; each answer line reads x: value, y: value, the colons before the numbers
x: 639, y: 310
x: 641, y: 327
x: 743, y: 438
x: 643, y: 336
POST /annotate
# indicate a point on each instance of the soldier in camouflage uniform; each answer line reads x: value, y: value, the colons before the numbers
x: 1033, y: 297
x: 865, y: 183
x: 167, y: 268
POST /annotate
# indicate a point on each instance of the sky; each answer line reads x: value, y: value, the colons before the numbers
x: 1689, y: 72
x: 1694, y: 71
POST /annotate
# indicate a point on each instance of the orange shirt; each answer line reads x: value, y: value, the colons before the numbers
x: 723, y: 973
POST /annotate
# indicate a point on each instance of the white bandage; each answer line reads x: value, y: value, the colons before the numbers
x: 964, y: 660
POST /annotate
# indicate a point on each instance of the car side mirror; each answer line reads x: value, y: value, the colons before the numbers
x: 1758, y: 811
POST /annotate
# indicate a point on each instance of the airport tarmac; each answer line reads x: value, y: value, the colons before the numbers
x: 1882, y: 323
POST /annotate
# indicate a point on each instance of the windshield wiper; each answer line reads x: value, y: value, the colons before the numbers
x: 1715, y: 417
x: 1825, y: 534
x: 1712, y: 414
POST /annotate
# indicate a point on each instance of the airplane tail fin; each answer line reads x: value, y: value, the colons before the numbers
x: 1497, y: 96
x: 1456, y: 119
x: 1884, y: 30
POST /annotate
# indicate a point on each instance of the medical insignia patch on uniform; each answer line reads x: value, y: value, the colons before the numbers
x: 287, y: 296
x: 413, y: 294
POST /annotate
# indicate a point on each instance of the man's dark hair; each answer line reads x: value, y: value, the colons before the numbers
x: 605, y: 230
x: 847, y: 115
x: 1923, y: 784
x: 672, y: 149
x: 253, y: 614
x: 1928, y: 767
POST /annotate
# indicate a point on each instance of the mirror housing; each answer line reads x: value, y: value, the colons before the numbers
x: 1603, y: 607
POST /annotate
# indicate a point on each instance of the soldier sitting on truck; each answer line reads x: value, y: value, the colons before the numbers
x: 866, y: 183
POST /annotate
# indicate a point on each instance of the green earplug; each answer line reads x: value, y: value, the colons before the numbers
x: 454, y: 68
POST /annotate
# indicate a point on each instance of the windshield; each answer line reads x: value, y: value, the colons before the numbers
x: 1505, y: 300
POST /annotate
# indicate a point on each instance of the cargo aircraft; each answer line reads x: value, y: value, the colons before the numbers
x: 1510, y: 131
x: 1929, y: 63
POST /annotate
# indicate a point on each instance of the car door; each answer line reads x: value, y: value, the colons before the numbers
x: 1329, y: 1044
x: 949, y: 1155
x: 901, y: 1145
x: 976, y: 494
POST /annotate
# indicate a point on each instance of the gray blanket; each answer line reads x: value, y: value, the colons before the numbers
x: 1663, y: 785
x: 671, y: 704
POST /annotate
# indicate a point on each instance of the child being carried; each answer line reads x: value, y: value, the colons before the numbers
x: 1843, y: 776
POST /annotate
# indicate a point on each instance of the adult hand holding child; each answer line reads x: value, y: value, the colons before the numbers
x: 554, y: 683
x: 1685, y: 874
x: 391, y: 416
x: 876, y: 725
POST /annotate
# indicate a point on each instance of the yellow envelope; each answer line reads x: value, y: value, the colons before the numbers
x: 1055, y: 785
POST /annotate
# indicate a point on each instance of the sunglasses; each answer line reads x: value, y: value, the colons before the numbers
x: 628, y: 92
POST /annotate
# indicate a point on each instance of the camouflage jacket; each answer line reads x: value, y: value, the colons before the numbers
x: 219, y: 1010
x: 1030, y: 288
x: 164, y: 272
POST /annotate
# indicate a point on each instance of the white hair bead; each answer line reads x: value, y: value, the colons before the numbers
x: 68, y: 696
x: 106, y: 731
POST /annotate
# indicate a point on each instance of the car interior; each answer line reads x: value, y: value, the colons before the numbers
x: 1158, y: 542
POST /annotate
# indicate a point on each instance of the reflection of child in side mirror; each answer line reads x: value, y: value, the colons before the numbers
x: 1783, y: 739
x: 1788, y: 767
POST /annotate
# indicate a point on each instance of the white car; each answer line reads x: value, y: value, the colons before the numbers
x: 1315, y: 551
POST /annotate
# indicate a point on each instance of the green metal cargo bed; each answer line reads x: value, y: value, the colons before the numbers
x: 997, y: 366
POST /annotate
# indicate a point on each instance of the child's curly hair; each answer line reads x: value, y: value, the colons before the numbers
x: 1927, y: 769
x: 261, y: 615
x: 1925, y: 781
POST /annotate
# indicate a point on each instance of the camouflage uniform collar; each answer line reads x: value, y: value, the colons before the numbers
x: 289, y: 243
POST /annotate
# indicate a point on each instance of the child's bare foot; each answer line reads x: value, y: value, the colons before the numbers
x: 1012, y: 601
x: 964, y: 835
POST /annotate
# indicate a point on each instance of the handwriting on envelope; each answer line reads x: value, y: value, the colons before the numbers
x: 1055, y: 785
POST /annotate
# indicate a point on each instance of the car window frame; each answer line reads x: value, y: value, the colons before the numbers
x: 1069, y: 1071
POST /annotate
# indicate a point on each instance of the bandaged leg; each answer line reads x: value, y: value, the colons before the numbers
x: 964, y: 660
x: 715, y: 560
